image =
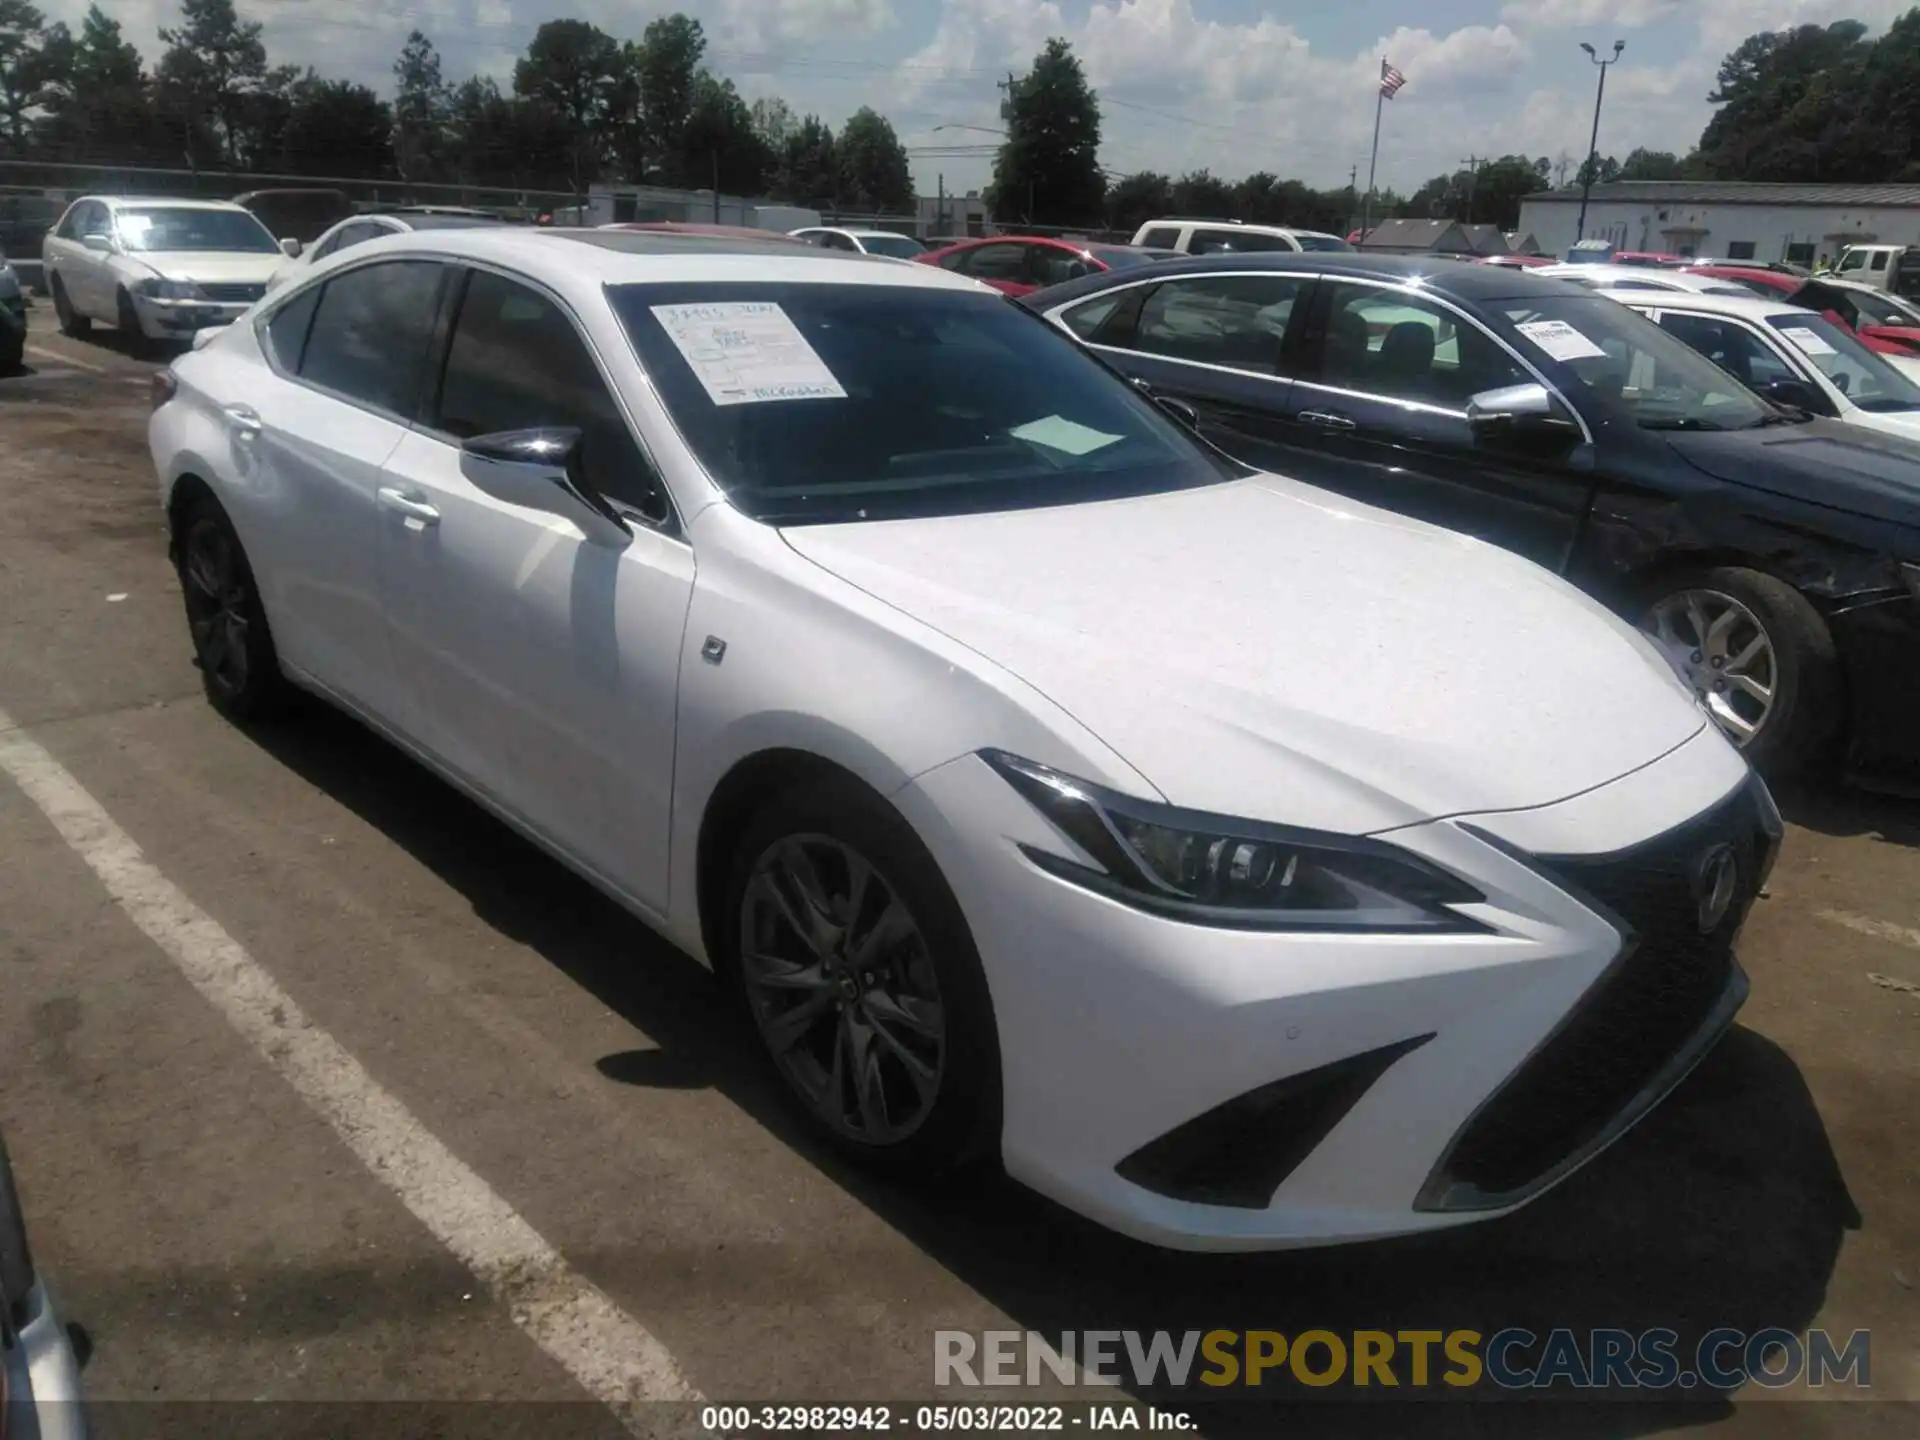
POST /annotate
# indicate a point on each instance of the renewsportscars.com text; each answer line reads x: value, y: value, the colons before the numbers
x: 1510, y: 1359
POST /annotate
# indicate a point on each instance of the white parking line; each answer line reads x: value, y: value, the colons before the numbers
x: 610, y: 1353
x: 1879, y: 929
x: 66, y: 359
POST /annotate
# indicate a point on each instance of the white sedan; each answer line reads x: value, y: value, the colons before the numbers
x: 1794, y: 356
x: 1243, y: 866
x: 860, y: 242
x: 158, y: 269
x: 1614, y: 278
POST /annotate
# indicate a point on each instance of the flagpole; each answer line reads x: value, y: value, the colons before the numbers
x: 1379, y: 104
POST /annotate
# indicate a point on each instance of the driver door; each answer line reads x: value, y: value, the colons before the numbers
x: 538, y: 663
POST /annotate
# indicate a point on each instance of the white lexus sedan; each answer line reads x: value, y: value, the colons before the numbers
x: 1244, y: 867
x: 156, y: 269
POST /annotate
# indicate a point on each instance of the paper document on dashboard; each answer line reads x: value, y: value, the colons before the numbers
x: 1559, y: 339
x: 747, y: 352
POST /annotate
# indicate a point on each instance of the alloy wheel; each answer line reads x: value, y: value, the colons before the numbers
x: 217, y: 604
x: 1719, y: 646
x: 842, y: 987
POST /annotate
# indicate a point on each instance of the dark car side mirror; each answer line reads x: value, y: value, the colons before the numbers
x: 1529, y: 415
x: 541, y: 470
x: 1796, y: 393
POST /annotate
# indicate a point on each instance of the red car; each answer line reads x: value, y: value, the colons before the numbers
x: 1021, y: 264
x: 1767, y: 284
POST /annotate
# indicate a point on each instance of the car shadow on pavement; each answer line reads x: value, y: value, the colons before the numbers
x: 1831, y: 809
x: 1726, y: 1207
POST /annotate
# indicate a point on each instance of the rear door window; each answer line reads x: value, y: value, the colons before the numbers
x: 370, y: 334
x: 1161, y: 237
x: 994, y: 262
x: 1237, y: 321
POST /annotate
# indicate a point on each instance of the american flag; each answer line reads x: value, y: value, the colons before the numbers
x: 1390, y: 79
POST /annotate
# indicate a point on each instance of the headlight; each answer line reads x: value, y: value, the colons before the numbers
x: 1211, y: 870
x: 159, y: 289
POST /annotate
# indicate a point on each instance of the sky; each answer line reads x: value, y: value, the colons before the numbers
x: 1232, y: 86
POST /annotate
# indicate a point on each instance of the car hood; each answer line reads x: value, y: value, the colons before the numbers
x: 1265, y: 648
x: 210, y: 267
x: 1850, y: 467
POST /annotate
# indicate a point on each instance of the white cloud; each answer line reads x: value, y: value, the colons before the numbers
x: 1566, y: 14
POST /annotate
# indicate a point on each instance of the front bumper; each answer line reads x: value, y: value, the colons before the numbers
x: 178, y: 319
x: 1125, y: 1037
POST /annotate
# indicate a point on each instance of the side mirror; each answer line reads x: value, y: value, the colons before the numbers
x: 540, y: 470
x: 99, y: 244
x: 1527, y: 413
x: 1796, y: 393
x: 290, y: 248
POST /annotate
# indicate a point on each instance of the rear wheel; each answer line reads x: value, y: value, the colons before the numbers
x: 1760, y: 659
x: 72, y: 322
x: 232, y: 646
x: 857, y: 970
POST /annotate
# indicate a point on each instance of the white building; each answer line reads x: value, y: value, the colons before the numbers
x: 1728, y: 219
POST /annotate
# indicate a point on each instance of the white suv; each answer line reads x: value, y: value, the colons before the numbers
x: 159, y: 268
x: 1209, y: 237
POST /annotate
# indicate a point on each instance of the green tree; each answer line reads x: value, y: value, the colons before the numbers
x: 720, y: 129
x: 1135, y: 199
x: 806, y: 170
x: 1643, y: 164
x: 774, y: 122
x: 874, y: 174
x: 1603, y: 168
x: 24, y: 53
x: 338, y: 128
x: 98, y: 102
x: 572, y: 68
x: 1204, y: 195
x: 422, y: 110
x: 213, y: 66
x: 1048, y: 170
x: 666, y: 68
x: 1776, y: 117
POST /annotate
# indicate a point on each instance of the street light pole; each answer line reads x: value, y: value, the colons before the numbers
x: 1593, y: 144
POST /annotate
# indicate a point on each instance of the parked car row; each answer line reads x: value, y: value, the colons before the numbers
x: 1240, y: 859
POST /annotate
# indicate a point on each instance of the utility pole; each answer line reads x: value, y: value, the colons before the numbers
x: 1472, y: 162
x: 1353, y: 193
x: 1593, y: 144
x: 940, y: 207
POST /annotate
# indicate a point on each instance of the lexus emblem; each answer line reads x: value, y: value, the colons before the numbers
x: 1716, y: 880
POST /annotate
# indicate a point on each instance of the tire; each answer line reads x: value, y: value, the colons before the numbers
x: 1805, y: 710
x: 72, y: 322
x: 232, y: 646
x: 127, y: 322
x: 895, y: 1124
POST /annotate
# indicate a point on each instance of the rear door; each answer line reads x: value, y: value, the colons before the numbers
x: 1378, y: 411
x: 538, y: 663
x: 348, y: 357
x: 1003, y: 264
x: 1213, y: 341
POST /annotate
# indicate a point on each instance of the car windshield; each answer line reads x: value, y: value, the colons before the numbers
x: 1623, y: 357
x: 900, y: 247
x: 1322, y: 242
x: 1856, y: 372
x: 152, y: 228
x: 818, y: 403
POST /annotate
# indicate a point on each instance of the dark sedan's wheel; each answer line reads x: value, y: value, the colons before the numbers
x: 1759, y: 657
x: 72, y: 322
x: 231, y: 644
x: 857, y: 970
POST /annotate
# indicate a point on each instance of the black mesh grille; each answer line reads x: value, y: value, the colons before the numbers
x: 233, y: 294
x: 1648, y: 1008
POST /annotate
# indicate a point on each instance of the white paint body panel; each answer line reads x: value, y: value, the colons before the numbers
x: 1257, y: 648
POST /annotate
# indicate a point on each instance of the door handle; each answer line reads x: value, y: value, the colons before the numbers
x: 1326, y: 419
x: 243, y: 420
x: 402, y: 503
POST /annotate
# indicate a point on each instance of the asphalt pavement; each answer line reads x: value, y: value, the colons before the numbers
x: 298, y: 1048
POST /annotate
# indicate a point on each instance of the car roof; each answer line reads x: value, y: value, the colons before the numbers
x: 574, y: 257
x: 1250, y: 226
x: 175, y: 201
x: 1645, y: 277
x: 1751, y: 307
x: 1471, y: 283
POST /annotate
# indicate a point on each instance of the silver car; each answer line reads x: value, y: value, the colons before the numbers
x: 39, y: 1374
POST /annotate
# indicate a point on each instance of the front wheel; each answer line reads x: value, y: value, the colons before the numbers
x: 1760, y: 659
x: 857, y: 969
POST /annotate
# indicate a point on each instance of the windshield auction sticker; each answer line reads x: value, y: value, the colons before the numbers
x: 747, y: 352
x: 1810, y: 342
x: 1560, y: 340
